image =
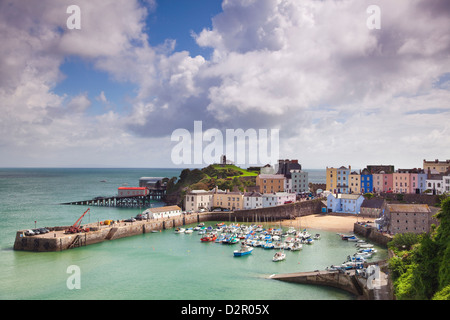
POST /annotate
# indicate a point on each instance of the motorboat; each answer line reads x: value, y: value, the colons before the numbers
x: 364, y: 245
x: 268, y: 245
x: 279, y: 256
x: 189, y: 230
x: 352, y: 239
x: 291, y: 230
x: 317, y: 236
x: 180, y: 230
x: 244, y: 250
x: 278, y: 245
x: 208, y: 238
x: 296, y: 246
x: 369, y: 250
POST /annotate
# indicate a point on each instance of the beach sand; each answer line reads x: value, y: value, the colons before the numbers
x: 325, y: 222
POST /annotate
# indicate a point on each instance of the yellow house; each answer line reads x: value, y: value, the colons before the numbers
x: 331, y: 179
x: 270, y: 183
x: 354, y: 182
x: 439, y: 166
x: 229, y: 200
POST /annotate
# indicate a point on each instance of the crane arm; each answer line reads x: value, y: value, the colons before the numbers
x: 78, y: 222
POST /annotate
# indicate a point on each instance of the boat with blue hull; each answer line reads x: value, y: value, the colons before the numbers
x: 243, y: 251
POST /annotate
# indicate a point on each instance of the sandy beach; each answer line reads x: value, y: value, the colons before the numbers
x: 325, y: 222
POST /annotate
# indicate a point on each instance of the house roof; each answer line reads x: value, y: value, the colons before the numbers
x: 271, y: 176
x: 163, y: 209
x: 372, y: 203
x: 252, y: 194
x: 409, y: 208
x: 349, y: 196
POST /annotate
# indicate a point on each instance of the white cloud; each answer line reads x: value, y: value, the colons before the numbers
x: 334, y: 88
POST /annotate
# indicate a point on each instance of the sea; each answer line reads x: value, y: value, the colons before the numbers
x: 152, y: 266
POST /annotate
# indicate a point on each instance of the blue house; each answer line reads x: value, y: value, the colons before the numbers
x: 346, y: 203
x: 366, y: 181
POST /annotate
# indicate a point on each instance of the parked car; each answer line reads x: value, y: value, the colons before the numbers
x: 43, y: 230
x: 141, y: 217
x: 36, y: 231
x: 130, y: 220
x: 29, y: 233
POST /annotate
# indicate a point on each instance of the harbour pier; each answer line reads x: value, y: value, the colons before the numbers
x: 58, y: 240
x: 363, y: 286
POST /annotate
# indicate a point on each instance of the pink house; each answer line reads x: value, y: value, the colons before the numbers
x: 388, y: 182
x: 401, y: 181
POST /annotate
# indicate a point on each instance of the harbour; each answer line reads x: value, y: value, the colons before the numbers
x: 134, y: 267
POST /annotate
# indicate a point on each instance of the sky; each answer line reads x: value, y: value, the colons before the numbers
x: 337, y: 90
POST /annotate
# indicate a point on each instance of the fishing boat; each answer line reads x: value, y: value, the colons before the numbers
x: 189, y: 230
x: 244, y: 250
x: 317, y: 236
x: 352, y: 239
x: 180, y: 230
x: 279, y: 256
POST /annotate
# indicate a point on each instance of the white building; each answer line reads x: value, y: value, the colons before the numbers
x: 277, y: 199
x: 446, y: 183
x: 299, y: 181
x: 346, y: 203
x: 199, y: 199
x: 253, y: 200
x: 436, y: 183
x: 163, y: 212
x: 288, y: 185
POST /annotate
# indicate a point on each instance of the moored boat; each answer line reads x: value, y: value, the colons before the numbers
x: 180, y: 230
x: 208, y: 238
x: 279, y: 256
x: 244, y: 250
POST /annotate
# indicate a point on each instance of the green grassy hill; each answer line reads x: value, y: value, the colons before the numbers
x: 225, y: 177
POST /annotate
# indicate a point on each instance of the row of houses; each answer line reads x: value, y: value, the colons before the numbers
x: 197, y: 200
x: 434, y: 177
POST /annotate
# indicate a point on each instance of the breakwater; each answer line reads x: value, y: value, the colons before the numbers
x: 365, y: 286
x: 58, y: 240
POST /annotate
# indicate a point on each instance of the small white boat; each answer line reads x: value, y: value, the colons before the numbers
x: 353, y: 239
x: 317, y: 236
x: 279, y: 256
x: 189, y: 230
x: 364, y: 245
x: 296, y: 246
x: 180, y: 230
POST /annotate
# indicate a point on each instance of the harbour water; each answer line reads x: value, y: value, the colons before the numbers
x: 153, y: 266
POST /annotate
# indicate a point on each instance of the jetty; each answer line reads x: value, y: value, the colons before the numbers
x: 120, y: 202
x: 150, y: 188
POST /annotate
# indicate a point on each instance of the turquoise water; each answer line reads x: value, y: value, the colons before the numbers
x: 153, y: 266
